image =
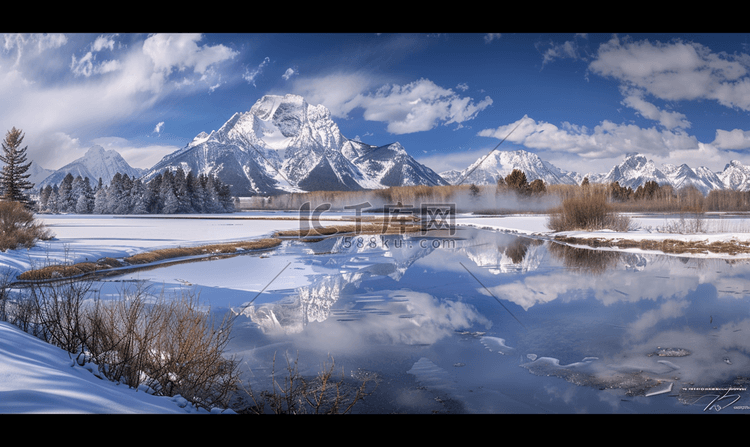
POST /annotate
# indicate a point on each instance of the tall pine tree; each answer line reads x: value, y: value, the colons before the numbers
x: 13, y: 177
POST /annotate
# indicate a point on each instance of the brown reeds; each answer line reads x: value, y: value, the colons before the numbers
x: 587, y: 211
x: 62, y: 271
x: 202, y: 250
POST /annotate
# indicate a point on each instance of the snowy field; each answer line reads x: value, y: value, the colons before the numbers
x: 39, y: 378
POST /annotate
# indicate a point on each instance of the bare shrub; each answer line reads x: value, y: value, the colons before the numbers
x: 58, y: 314
x: 587, y: 212
x: 322, y: 394
x: 171, y: 345
x: 19, y: 228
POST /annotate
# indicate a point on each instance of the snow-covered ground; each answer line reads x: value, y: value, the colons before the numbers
x: 715, y: 228
x: 38, y: 378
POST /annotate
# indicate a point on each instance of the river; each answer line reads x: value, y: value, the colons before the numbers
x: 486, y: 322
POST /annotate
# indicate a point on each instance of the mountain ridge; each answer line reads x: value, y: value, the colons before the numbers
x: 283, y: 144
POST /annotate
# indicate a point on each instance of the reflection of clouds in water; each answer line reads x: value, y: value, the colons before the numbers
x: 400, y: 317
x: 649, y: 319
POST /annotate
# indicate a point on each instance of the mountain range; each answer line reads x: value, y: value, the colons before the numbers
x: 283, y: 144
x: 96, y: 163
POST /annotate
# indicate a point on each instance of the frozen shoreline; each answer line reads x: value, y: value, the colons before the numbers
x: 87, y: 238
x: 65, y: 387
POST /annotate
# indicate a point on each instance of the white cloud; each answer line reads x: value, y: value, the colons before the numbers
x: 137, y: 76
x: 250, y: 75
x: 288, y: 74
x: 567, y: 50
x: 417, y: 106
x: 103, y: 42
x: 159, y: 127
x: 676, y: 71
x: 455, y: 160
x: 489, y: 37
x: 732, y: 139
x: 136, y: 156
x: 336, y: 91
x: 670, y: 120
x: 606, y: 140
x: 180, y: 52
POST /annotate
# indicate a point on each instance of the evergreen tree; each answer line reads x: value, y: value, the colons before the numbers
x: 153, y: 202
x: 195, y: 190
x: 54, y: 199
x: 85, y: 202
x: 65, y: 200
x: 13, y: 178
x: 101, y: 201
x: 224, y: 194
x: 122, y: 195
x: 139, y: 198
x: 212, y: 203
x: 44, y: 199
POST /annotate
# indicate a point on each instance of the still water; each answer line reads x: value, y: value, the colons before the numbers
x: 488, y: 322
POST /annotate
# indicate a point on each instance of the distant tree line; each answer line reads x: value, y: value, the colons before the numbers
x: 170, y: 192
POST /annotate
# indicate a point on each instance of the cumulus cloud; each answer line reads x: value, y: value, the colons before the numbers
x: 107, y: 82
x: 732, y: 139
x: 607, y: 139
x: 570, y: 49
x: 670, y: 120
x: 87, y: 65
x: 676, y: 70
x: 288, y: 74
x: 417, y: 106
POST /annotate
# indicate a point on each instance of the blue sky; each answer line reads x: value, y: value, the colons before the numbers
x: 580, y: 101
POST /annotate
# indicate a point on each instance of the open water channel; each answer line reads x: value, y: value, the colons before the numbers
x: 488, y: 322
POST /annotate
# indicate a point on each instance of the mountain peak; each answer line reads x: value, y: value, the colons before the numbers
x: 94, y: 150
x: 284, y: 144
x: 96, y: 163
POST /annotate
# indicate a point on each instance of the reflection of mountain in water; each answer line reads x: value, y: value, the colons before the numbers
x: 503, y: 253
x: 367, y: 256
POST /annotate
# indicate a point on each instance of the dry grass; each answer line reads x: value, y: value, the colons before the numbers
x: 586, y: 212
x: 68, y: 270
x: 62, y: 271
x: 212, y: 249
x: 673, y: 246
x: 383, y: 227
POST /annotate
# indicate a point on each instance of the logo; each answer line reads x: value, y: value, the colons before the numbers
x: 432, y: 216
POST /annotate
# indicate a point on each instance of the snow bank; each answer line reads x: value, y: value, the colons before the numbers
x: 36, y: 377
x: 80, y: 238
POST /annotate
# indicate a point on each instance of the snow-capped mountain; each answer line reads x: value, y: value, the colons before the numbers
x: 284, y: 144
x: 736, y: 176
x: 96, y: 163
x: 636, y: 169
x: 633, y: 172
x: 487, y: 169
x: 702, y: 178
x: 37, y: 174
x: 391, y: 166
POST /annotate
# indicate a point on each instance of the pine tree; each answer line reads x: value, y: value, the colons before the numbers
x: 101, y: 201
x: 65, y: 201
x: 85, y: 201
x: 13, y: 177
